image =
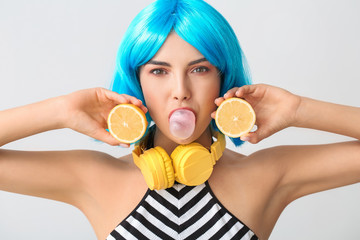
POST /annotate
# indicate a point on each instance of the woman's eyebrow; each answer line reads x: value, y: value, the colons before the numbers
x: 154, y: 62
x: 161, y: 63
x: 197, y: 61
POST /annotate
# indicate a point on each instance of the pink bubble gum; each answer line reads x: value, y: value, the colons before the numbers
x: 182, y: 123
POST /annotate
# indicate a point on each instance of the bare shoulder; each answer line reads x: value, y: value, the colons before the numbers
x: 99, y: 169
x: 113, y: 187
x: 256, y: 164
x: 95, y: 161
x: 257, y: 188
x: 246, y: 186
x: 92, y: 166
x: 259, y: 174
x: 65, y: 176
x: 105, y: 188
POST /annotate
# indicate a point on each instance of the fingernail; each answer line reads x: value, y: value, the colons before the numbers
x: 123, y: 145
x: 245, y: 139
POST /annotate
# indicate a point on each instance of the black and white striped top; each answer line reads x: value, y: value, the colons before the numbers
x: 181, y: 212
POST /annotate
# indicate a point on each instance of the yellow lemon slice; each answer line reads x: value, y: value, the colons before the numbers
x: 235, y: 117
x: 127, y: 123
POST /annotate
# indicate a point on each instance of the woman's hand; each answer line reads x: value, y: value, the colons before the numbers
x: 275, y: 108
x: 87, y: 111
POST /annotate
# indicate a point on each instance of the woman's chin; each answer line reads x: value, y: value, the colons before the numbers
x: 183, y: 141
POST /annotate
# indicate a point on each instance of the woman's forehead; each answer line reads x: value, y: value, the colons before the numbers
x: 176, y: 47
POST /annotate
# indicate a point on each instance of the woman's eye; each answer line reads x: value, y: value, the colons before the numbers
x: 200, y: 69
x: 157, y: 71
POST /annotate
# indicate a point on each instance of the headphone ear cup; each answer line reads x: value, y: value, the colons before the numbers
x: 157, y: 169
x: 192, y: 164
x: 168, y: 169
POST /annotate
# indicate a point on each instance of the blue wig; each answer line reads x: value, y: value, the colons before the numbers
x: 197, y: 23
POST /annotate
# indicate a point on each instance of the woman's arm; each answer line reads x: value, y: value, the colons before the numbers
x: 28, y: 120
x: 311, y: 169
x: 330, y: 117
x: 302, y: 170
x: 84, y: 111
x: 56, y: 175
x: 277, y: 109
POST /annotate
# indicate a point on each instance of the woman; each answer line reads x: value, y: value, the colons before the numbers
x: 175, y: 74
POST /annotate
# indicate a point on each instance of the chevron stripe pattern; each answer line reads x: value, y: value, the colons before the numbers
x: 181, y: 212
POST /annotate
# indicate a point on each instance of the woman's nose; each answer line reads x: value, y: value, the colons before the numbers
x: 181, y: 88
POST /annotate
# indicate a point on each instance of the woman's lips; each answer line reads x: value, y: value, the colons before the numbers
x: 185, y: 108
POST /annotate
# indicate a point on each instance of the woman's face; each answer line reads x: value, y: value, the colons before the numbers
x: 179, y: 76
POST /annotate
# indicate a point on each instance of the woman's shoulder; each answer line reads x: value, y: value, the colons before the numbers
x: 246, y: 185
x: 97, y: 163
x: 96, y: 168
x: 98, y: 159
x: 234, y: 160
x: 112, y: 187
x: 257, y: 160
x: 255, y: 174
x: 100, y: 173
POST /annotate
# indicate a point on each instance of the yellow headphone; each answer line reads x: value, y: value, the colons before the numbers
x: 190, y: 164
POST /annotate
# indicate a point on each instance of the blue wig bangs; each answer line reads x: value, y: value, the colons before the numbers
x: 208, y: 31
x: 197, y: 23
x: 143, y: 38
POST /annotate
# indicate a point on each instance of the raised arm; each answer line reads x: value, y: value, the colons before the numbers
x: 305, y: 169
x: 330, y: 117
x: 277, y: 109
x: 56, y: 174
x: 84, y: 111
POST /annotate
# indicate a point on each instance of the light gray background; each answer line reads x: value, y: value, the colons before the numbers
x: 50, y: 48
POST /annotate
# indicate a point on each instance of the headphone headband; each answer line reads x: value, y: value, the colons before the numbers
x: 190, y: 164
x: 216, y: 149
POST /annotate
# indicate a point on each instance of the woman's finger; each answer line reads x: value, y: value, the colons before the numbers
x: 106, y: 137
x: 256, y: 136
x: 230, y: 93
x: 114, y: 96
x: 252, y: 137
x: 239, y: 92
x: 124, y: 98
x: 242, y: 91
x: 138, y: 102
x: 219, y: 100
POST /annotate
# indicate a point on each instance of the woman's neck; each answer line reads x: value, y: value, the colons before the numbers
x: 169, y: 145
